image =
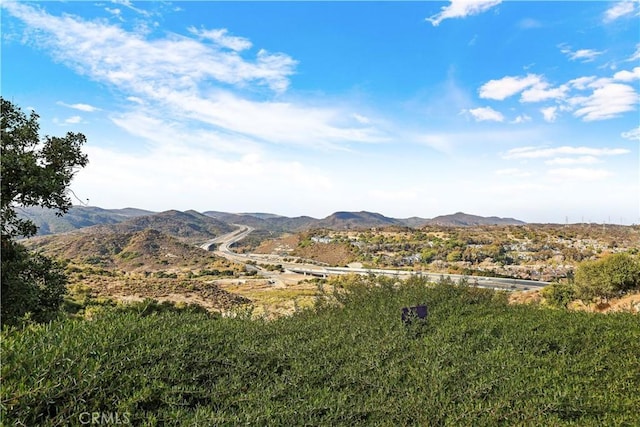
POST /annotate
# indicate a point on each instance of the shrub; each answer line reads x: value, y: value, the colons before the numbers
x: 607, y: 277
x: 559, y: 294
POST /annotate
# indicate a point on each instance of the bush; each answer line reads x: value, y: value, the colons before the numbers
x: 559, y: 294
x: 607, y: 277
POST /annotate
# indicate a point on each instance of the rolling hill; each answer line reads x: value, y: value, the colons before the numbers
x: 349, y: 220
x: 49, y: 222
x: 461, y: 219
x: 190, y: 226
x: 194, y: 225
x: 148, y: 250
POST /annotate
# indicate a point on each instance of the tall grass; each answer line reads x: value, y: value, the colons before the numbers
x: 348, y: 361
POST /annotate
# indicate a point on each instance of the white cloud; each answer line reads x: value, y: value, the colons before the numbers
x: 607, y: 101
x: 581, y: 83
x: 541, y: 152
x: 619, y: 10
x: 543, y: 92
x: 82, y: 107
x: 128, y: 4
x: 523, y: 118
x: 189, y: 79
x: 580, y: 174
x: 486, y: 114
x: 461, y: 9
x: 135, y: 99
x: 633, y: 134
x: 361, y: 119
x: 636, y: 54
x: 109, y: 54
x: 627, y: 76
x: 550, y: 114
x: 220, y: 37
x: 115, y: 12
x: 507, y: 86
x: 564, y: 161
x: 585, y: 55
x: 73, y: 120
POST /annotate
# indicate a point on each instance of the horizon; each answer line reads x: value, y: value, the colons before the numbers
x: 524, y: 110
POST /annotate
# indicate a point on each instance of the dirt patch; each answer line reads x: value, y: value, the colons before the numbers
x: 525, y: 297
x: 330, y: 253
x: 272, y: 301
x: 281, y: 246
x: 628, y: 303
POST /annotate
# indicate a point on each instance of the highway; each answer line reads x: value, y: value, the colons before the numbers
x: 243, y: 231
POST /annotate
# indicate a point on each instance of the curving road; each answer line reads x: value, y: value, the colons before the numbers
x: 227, y: 240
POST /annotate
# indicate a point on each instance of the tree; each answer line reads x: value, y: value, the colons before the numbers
x: 34, y: 172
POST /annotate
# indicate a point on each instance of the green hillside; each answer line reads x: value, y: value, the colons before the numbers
x: 349, y: 361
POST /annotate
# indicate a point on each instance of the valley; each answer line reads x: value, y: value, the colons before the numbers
x: 275, y: 265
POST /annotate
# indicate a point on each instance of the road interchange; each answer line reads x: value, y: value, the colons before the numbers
x: 225, y: 241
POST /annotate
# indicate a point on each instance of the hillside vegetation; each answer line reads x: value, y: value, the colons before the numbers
x: 533, y: 251
x: 349, y: 360
x: 148, y: 250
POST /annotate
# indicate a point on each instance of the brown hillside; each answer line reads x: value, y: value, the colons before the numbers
x: 148, y: 250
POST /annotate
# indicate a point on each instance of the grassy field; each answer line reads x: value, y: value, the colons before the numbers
x: 348, y: 361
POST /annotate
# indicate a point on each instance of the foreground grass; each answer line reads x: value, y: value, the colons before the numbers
x: 476, y: 361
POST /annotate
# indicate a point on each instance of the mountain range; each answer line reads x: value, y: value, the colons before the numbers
x: 192, y: 225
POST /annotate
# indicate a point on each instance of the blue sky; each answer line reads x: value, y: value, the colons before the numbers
x: 520, y: 109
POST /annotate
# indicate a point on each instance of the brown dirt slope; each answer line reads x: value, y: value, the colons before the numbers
x: 628, y: 303
x: 148, y: 250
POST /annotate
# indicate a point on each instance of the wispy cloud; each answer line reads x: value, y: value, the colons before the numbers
x: 607, y: 101
x: 523, y: 118
x: 633, y: 134
x: 542, y: 92
x: 564, y: 161
x: 619, y: 9
x: 82, y: 107
x: 129, y: 5
x: 112, y: 55
x: 581, y: 83
x: 584, y: 55
x: 636, y: 54
x: 221, y: 37
x: 482, y: 114
x: 461, y: 9
x: 550, y: 114
x: 361, y: 119
x: 73, y: 120
x: 542, y: 152
x: 202, y: 81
